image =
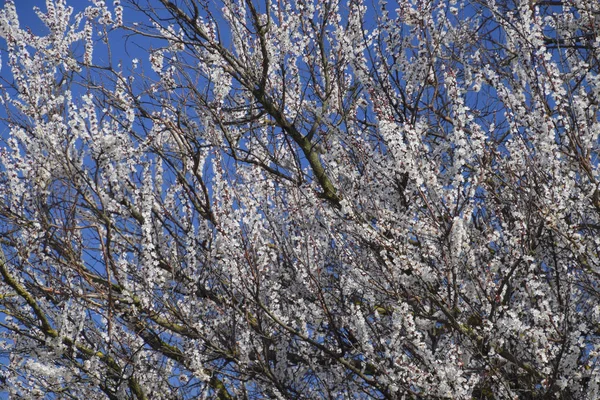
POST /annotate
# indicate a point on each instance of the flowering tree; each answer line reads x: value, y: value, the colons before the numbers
x: 302, y: 199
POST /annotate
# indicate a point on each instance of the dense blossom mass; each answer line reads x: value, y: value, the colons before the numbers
x: 300, y: 199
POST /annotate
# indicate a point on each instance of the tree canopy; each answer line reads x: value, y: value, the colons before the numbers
x: 300, y: 199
